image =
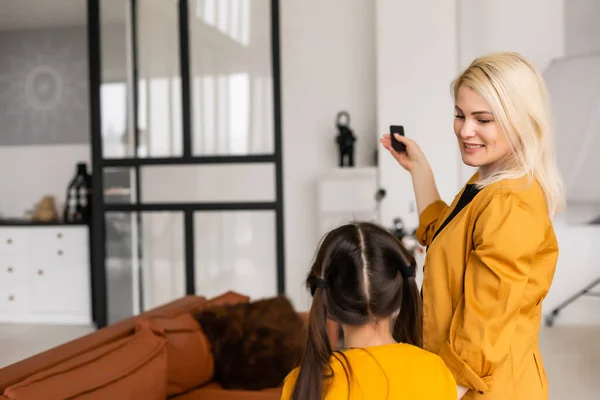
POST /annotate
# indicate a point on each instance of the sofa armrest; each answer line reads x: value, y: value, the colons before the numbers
x: 17, y: 372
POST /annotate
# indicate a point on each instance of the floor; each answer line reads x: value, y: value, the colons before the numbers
x: 572, y: 361
x: 21, y: 341
x: 571, y: 353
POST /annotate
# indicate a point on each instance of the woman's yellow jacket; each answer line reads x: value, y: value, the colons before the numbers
x: 486, y: 274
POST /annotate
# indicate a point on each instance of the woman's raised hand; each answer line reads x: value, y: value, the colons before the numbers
x: 409, y: 159
x: 414, y: 161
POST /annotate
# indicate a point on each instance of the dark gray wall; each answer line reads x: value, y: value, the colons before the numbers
x: 44, y: 96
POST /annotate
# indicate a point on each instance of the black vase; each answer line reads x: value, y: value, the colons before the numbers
x: 79, y: 196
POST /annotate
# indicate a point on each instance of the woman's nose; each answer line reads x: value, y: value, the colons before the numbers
x: 467, y: 130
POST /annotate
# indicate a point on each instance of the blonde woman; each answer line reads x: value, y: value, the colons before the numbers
x: 491, y: 253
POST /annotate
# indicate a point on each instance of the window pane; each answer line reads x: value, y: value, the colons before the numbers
x: 163, y: 258
x: 208, y: 183
x: 122, y: 265
x: 159, y: 84
x: 115, y: 89
x: 232, y: 101
x: 235, y: 251
x: 119, y: 185
x: 133, y: 285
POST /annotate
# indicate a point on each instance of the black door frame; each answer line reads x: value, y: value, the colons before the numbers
x: 99, y: 206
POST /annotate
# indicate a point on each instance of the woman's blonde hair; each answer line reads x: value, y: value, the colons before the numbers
x: 518, y: 97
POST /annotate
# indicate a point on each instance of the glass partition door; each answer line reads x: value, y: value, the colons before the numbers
x: 186, y: 151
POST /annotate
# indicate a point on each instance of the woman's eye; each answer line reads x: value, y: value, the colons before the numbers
x: 484, y: 121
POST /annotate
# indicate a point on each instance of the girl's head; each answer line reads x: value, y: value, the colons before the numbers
x: 503, y: 125
x: 361, y: 275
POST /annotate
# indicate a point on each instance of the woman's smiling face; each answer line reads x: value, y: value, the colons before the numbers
x: 480, y: 139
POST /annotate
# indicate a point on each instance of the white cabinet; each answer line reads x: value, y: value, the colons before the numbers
x: 345, y: 195
x: 44, y: 274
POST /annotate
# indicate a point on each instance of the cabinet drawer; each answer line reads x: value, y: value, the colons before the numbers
x: 12, y: 269
x: 14, y: 291
x: 13, y: 241
x: 60, y: 289
x: 76, y: 237
x: 47, y: 255
x: 13, y: 263
x: 61, y: 235
x: 59, y: 245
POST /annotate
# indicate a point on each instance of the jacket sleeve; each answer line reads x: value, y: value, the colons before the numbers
x: 428, y: 220
x: 506, y: 238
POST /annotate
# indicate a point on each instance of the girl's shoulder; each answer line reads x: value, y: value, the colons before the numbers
x: 397, y: 357
x: 396, y: 369
x: 406, y: 370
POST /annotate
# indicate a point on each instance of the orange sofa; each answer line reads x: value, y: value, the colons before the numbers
x: 160, y: 354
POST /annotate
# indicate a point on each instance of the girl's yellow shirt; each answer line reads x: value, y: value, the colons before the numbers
x: 394, y: 371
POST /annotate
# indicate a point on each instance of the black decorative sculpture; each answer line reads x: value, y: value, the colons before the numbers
x: 79, y: 196
x: 398, y: 229
x: 345, y: 140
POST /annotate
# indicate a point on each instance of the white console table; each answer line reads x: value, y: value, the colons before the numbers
x: 346, y: 195
x: 44, y: 274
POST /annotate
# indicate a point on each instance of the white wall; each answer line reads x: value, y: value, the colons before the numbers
x: 328, y: 65
x: 533, y: 28
x: 578, y: 266
x: 416, y: 61
x: 582, y: 30
x: 30, y: 172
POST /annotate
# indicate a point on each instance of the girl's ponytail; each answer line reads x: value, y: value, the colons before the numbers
x: 409, y: 324
x: 309, y: 384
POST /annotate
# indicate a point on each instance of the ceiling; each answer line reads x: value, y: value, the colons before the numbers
x: 38, y: 14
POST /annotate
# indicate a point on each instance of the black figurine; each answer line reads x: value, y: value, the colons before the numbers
x: 398, y: 230
x: 345, y: 140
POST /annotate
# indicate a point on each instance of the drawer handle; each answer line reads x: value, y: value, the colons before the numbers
x: 9, y: 241
x: 60, y: 252
x: 10, y: 269
x: 11, y: 298
x: 59, y: 235
x: 40, y: 272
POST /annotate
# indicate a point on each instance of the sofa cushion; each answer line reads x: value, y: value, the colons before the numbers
x: 255, y: 345
x: 190, y: 361
x: 130, y: 368
x: 227, y: 298
x: 215, y: 391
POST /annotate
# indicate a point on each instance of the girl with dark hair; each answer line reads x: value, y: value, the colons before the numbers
x: 362, y: 277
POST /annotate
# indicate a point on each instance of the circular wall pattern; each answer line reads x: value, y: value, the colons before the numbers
x: 44, y: 93
x: 43, y: 88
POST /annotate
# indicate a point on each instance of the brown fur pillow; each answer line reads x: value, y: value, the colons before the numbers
x: 255, y: 345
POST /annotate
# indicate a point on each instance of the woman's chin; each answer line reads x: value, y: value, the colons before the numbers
x: 469, y: 161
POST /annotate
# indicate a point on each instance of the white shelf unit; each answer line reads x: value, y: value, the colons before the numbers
x: 345, y: 195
